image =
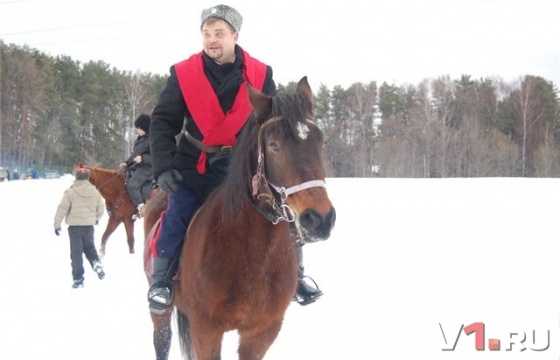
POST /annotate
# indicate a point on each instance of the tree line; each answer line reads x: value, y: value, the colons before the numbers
x: 55, y: 111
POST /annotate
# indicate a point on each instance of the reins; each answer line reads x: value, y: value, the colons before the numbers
x: 112, y: 178
x: 262, y: 187
x: 113, y: 205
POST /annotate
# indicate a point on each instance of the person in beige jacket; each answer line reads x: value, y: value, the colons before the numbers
x: 82, y: 206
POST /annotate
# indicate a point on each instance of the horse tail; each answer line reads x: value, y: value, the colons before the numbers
x: 183, y: 328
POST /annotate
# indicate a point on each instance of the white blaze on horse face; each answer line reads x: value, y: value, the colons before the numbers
x: 303, y: 130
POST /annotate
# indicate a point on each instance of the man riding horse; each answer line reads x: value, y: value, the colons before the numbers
x: 208, y: 90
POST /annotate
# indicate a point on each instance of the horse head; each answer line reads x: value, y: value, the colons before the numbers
x: 289, y: 173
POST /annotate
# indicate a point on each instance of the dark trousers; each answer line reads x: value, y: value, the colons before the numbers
x: 81, y: 242
x: 180, y: 209
x: 134, y: 185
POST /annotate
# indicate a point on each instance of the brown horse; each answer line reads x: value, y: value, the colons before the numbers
x: 238, y: 268
x: 111, y: 185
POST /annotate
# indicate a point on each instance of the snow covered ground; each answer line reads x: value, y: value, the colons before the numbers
x: 409, y: 262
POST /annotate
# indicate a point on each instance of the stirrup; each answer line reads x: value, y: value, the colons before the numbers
x: 310, y: 297
x: 160, y: 303
x: 158, y: 309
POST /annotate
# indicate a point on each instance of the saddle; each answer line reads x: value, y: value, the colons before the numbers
x: 150, y: 248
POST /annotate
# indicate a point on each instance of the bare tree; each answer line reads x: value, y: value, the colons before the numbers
x: 531, y: 116
x: 136, y: 94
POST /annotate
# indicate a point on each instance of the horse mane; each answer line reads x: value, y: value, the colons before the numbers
x: 243, y: 163
x: 102, y: 170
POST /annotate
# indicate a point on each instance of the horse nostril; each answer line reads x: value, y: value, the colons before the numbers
x: 309, y: 219
x: 315, y: 224
x: 331, y: 218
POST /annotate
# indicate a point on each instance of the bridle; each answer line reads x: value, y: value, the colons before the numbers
x: 262, y: 187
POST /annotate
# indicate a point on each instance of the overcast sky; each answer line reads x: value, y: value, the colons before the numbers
x: 398, y: 41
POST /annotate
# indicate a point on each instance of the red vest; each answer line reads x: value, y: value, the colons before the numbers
x: 216, y: 127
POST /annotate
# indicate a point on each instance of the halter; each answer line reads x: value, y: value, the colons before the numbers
x: 262, y: 187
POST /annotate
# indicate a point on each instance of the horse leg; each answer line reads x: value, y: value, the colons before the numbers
x: 111, y: 226
x: 253, y: 346
x: 129, y: 227
x: 206, y: 340
x: 162, y: 334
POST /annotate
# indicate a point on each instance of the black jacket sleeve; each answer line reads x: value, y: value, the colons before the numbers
x: 167, y: 121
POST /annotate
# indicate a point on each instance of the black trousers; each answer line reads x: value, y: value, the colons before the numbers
x: 81, y: 243
x: 138, y: 185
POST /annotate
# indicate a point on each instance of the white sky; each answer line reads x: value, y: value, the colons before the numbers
x: 405, y: 256
x: 398, y: 41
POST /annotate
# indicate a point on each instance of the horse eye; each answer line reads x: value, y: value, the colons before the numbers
x: 274, y: 146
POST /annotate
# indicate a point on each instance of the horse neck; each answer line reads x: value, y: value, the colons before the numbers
x: 246, y: 215
x: 105, y: 182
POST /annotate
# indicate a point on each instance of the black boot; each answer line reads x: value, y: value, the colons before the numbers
x: 305, y: 293
x: 160, y: 295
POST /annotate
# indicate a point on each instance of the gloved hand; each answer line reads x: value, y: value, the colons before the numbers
x: 57, y: 231
x: 167, y: 180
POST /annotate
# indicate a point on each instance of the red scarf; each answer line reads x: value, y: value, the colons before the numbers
x: 216, y: 127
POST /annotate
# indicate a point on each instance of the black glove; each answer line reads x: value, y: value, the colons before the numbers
x: 57, y: 231
x: 167, y: 180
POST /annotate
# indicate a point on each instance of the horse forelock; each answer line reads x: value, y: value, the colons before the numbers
x: 294, y: 111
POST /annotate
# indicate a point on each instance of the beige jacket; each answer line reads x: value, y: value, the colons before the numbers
x: 81, y: 204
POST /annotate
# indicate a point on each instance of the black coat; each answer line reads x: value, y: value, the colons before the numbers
x: 141, y: 170
x: 171, y: 113
x: 142, y: 148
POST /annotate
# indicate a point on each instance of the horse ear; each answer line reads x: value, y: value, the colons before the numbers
x: 304, y: 90
x: 261, y: 102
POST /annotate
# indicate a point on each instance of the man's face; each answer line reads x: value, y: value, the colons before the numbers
x: 218, y: 41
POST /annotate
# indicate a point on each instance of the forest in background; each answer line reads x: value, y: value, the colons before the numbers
x: 55, y: 111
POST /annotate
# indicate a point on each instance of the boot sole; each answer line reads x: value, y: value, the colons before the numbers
x: 307, y: 300
x: 158, y: 309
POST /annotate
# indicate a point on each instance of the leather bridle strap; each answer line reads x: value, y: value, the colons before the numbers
x: 282, y: 210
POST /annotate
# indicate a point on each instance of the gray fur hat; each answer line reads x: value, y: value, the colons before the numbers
x: 224, y: 12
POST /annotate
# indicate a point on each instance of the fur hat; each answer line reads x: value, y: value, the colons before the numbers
x: 82, y: 174
x: 143, y: 122
x: 224, y: 12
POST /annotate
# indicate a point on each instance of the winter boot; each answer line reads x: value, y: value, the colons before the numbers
x: 139, y: 212
x: 78, y: 283
x: 160, y: 295
x: 305, y: 293
x: 98, y: 268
